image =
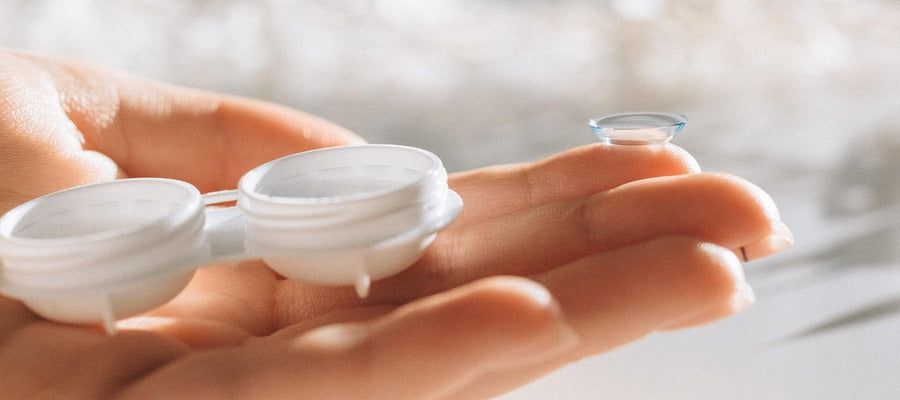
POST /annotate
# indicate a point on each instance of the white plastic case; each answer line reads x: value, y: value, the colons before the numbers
x: 334, y: 216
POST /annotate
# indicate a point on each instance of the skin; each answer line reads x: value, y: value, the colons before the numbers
x: 550, y: 262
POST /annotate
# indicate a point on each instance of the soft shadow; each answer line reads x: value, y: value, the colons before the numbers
x: 862, y: 198
x: 867, y: 314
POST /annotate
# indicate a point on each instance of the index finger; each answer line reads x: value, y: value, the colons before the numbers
x: 579, y: 172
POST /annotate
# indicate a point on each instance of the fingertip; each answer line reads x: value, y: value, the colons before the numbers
x: 524, y: 291
x: 742, y: 298
x: 754, y: 192
x: 725, y: 290
x: 452, y: 338
x: 530, y: 325
x: 780, y: 238
x: 524, y: 306
x: 683, y: 157
x: 724, y: 258
x: 767, y: 234
x: 744, y: 211
x: 668, y: 159
x: 721, y: 273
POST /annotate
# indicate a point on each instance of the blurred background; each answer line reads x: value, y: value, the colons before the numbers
x: 801, y: 97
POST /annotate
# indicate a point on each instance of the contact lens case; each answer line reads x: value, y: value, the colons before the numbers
x: 335, y: 216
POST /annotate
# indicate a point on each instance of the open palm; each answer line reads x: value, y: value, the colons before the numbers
x: 549, y: 262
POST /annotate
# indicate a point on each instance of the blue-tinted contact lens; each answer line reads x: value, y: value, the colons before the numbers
x: 643, y: 128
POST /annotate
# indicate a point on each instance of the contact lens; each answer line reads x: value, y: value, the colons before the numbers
x: 641, y: 128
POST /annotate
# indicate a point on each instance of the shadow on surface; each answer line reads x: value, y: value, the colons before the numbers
x: 861, y: 199
x: 868, y: 314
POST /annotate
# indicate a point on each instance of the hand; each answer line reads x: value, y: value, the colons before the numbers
x: 549, y: 262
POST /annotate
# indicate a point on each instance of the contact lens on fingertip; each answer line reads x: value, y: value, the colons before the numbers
x: 640, y: 128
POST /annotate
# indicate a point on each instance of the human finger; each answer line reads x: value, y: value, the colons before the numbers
x: 716, y: 208
x: 49, y: 361
x: 648, y: 287
x: 619, y: 296
x: 152, y: 129
x: 40, y: 148
x: 499, y: 190
x: 779, y: 239
x: 422, y: 350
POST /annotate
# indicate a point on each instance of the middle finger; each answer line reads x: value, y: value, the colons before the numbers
x: 716, y: 208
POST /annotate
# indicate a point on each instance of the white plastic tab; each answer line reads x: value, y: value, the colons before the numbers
x: 224, y: 230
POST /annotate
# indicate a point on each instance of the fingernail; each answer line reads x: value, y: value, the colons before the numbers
x: 780, y: 239
x: 743, y: 297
